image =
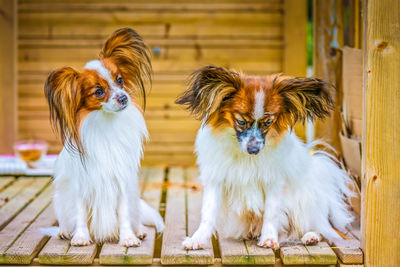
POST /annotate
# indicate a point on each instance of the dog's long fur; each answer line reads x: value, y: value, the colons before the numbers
x: 261, y: 181
x: 94, y: 110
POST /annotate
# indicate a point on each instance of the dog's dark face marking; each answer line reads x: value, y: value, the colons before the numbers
x: 251, y: 132
x: 259, y: 109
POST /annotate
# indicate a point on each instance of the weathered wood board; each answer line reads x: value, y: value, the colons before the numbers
x: 19, y: 194
x: 21, y: 227
x: 181, y: 218
x: 113, y: 253
x: 300, y: 254
x: 22, y: 242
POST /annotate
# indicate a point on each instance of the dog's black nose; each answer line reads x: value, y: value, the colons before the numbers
x: 253, y: 149
x: 122, y: 100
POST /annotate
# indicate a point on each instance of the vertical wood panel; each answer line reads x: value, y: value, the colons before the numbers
x: 328, y: 35
x: 8, y: 75
x: 295, y: 40
x: 381, y: 135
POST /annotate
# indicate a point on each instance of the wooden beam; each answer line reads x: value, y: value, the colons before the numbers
x: 381, y: 135
x: 328, y: 36
x: 295, y: 45
x: 8, y: 75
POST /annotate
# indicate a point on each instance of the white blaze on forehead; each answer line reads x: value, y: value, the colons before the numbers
x: 98, y: 66
x: 259, y: 98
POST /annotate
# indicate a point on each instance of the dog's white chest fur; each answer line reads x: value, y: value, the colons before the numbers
x: 113, y: 147
x: 287, y: 175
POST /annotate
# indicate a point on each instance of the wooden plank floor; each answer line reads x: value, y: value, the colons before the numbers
x: 25, y: 207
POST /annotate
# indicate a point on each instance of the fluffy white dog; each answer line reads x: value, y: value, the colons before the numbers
x: 96, y: 185
x: 260, y: 181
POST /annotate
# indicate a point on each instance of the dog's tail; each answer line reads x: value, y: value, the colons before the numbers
x: 150, y: 216
x: 50, y: 231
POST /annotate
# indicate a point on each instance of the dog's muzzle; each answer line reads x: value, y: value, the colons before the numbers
x: 251, y: 140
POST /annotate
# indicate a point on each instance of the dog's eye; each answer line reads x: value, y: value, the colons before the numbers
x: 240, y: 122
x: 99, y: 92
x: 120, y: 81
x: 268, y: 122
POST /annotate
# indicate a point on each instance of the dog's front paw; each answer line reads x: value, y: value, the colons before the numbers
x: 311, y: 238
x: 130, y: 241
x: 80, y: 240
x: 193, y: 243
x: 269, y: 242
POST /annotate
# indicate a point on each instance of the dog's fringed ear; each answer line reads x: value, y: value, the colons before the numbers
x: 209, y: 88
x: 304, y: 98
x: 127, y: 50
x: 64, y: 99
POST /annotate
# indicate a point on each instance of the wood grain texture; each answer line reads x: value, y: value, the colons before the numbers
x: 233, y: 251
x: 181, y: 219
x: 328, y: 19
x: 23, y: 220
x: 353, y: 89
x: 380, y: 219
x: 10, y: 192
x: 244, y: 252
x: 172, y: 251
x: 295, y: 45
x: 340, y: 264
x: 27, y: 246
x: 295, y: 34
x: 193, y: 202
x: 30, y: 187
x: 5, y: 182
x: 8, y: 75
x: 348, y: 251
x: 299, y: 254
x: 60, y: 252
x: 114, y: 254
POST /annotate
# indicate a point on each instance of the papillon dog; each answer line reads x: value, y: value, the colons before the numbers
x: 260, y: 181
x: 102, y: 128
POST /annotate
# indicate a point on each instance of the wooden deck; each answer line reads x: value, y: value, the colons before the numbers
x: 25, y: 207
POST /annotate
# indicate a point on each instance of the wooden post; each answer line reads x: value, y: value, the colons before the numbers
x: 295, y: 36
x: 381, y: 135
x: 8, y: 75
x: 328, y: 35
x: 355, y: 24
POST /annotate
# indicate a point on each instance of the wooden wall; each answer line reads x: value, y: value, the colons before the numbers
x: 8, y: 75
x: 245, y: 36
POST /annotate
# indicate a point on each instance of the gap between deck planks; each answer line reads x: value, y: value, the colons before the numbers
x: 60, y: 252
x: 348, y: 250
x: 182, y: 218
x: 299, y: 254
x: 115, y: 254
x: 20, y: 239
x: 17, y: 196
x: 24, y: 240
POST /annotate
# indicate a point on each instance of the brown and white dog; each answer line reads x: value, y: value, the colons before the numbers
x: 260, y: 181
x: 102, y: 128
